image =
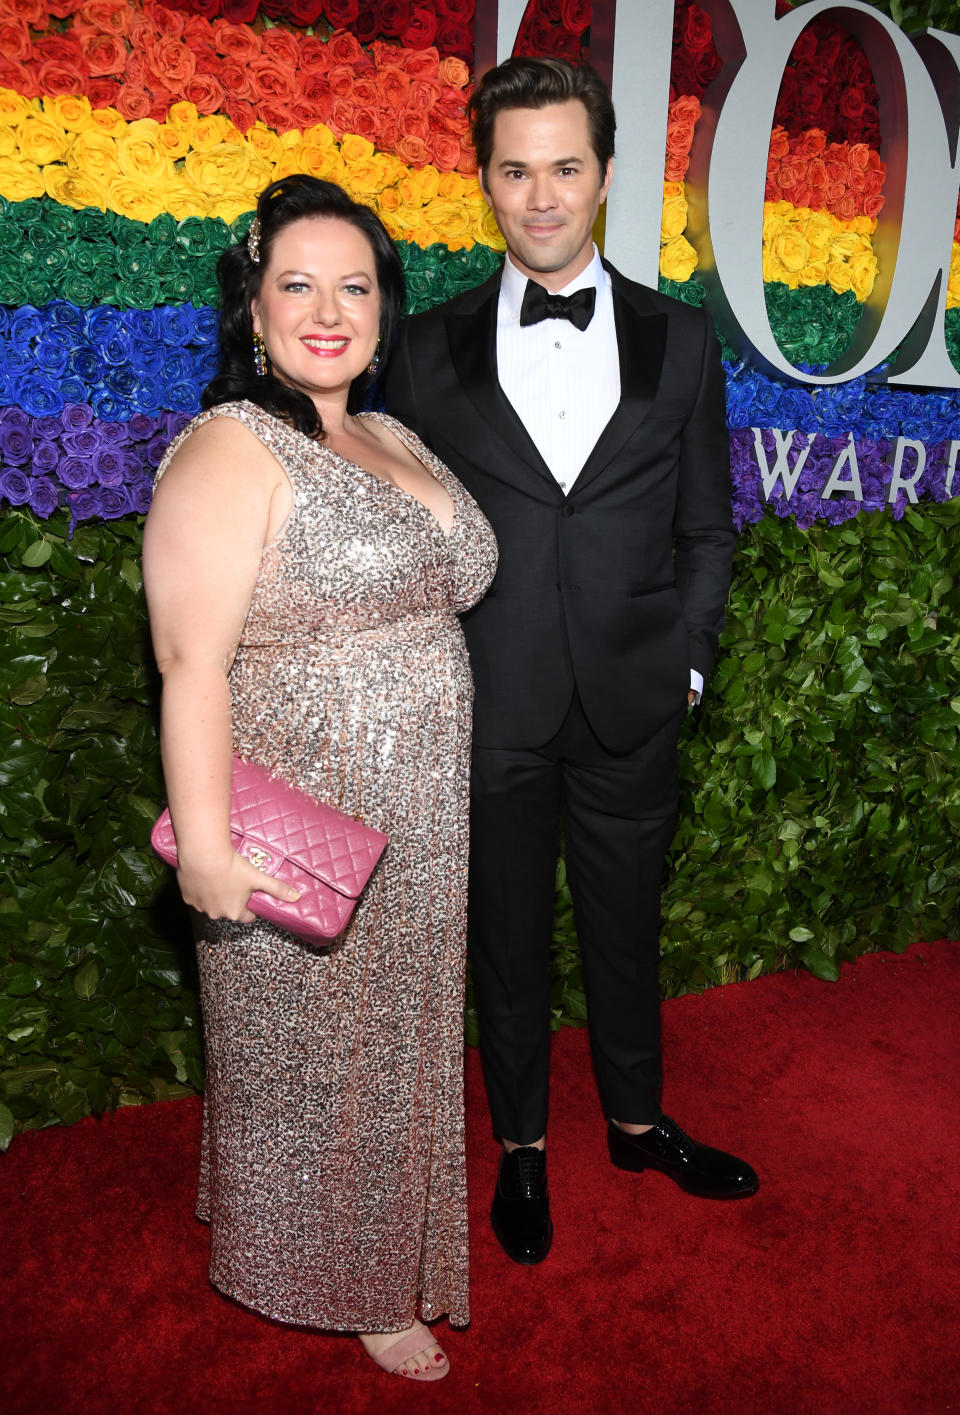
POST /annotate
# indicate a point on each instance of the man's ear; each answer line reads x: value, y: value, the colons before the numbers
x: 607, y: 179
x: 482, y: 176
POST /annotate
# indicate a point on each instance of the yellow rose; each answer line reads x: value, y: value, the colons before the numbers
x: 71, y: 111
x: 221, y: 169
x: 864, y: 225
x: 953, y: 285
x: 134, y: 199
x: 408, y: 219
x: 42, y: 140
x: 450, y: 218
x: 791, y: 249
x: 487, y: 231
x: 14, y: 107
x: 290, y: 138
x: 814, y: 272
x: 420, y: 185
x: 365, y: 178
x: 451, y: 185
x: 266, y: 142
x: 95, y: 155
x: 182, y: 114
x: 819, y: 229
x: 863, y: 272
x: 839, y: 276
x: 324, y: 162
x: 673, y: 218
x: 8, y: 141
x: 108, y: 121
x: 182, y: 198
x: 173, y: 141
x: 393, y: 230
x: 678, y: 259
x: 319, y: 135
x: 76, y: 189
x: 845, y: 243
x: 232, y: 203
x: 353, y: 148
x: 773, y: 223
x: 388, y: 202
x: 20, y: 180
x: 209, y: 132
x: 140, y: 154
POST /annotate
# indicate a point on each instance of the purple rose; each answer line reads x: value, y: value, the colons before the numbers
x: 76, y: 472
x: 113, y: 501
x: 141, y: 427
x: 117, y: 434
x: 76, y: 416
x: 141, y: 494
x: 83, y: 507
x: 13, y: 417
x: 47, y: 429
x: 83, y: 443
x: 15, y: 486
x: 46, y: 455
x: 108, y: 467
x: 16, y: 445
x: 156, y: 447
x: 43, y: 496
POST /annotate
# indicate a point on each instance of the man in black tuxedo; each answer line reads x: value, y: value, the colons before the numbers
x: 585, y: 414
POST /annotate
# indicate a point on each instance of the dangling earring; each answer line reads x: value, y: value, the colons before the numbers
x: 259, y: 356
x: 373, y: 367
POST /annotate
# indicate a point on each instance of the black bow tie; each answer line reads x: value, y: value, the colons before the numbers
x: 539, y: 304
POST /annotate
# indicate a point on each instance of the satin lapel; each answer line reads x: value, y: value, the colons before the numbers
x: 641, y: 340
x: 472, y: 336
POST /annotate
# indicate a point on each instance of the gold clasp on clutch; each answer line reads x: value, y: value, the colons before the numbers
x: 259, y: 857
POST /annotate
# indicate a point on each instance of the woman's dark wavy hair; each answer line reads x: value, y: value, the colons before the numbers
x: 526, y: 82
x: 239, y: 277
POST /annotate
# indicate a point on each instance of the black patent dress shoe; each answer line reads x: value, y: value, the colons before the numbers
x: 700, y: 1170
x: 521, y: 1207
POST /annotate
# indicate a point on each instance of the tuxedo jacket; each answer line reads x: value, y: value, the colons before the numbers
x: 617, y: 588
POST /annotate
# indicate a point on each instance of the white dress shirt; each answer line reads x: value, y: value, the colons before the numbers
x: 563, y: 382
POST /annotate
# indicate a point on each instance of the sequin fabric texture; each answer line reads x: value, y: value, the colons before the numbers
x: 333, y: 1169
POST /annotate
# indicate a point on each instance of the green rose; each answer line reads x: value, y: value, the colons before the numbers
x: 162, y: 230
x: 79, y: 289
x: 92, y: 224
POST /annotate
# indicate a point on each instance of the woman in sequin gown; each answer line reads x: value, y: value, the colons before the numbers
x: 303, y: 592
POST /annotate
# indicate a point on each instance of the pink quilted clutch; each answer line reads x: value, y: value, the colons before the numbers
x: 325, y: 854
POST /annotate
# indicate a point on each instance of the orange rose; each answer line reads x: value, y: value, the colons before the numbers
x: 812, y: 142
x: 858, y: 155
x: 345, y: 49
x: 32, y: 12
x: 413, y: 150
x: 421, y: 63
x: 204, y: 92
x: 445, y: 151
x: 414, y: 124
x: 313, y: 55
x: 468, y: 157
x: 424, y: 95
x: 848, y: 206
x: 169, y: 23
x: 15, y: 38
x: 281, y: 47
x: 111, y: 16
x: 779, y: 143
x: 197, y: 32
x: 454, y: 72
x: 133, y: 102
x: 366, y: 122
x: 872, y: 206
x: 55, y: 77
x: 172, y: 63
x: 366, y: 94
x: 342, y: 116
x: 276, y: 116
x: 340, y: 80
x: 236, y: 79
x: 241, y: 114
x: 235, y: 41
x: 817, y: 174
x: 393, y: 86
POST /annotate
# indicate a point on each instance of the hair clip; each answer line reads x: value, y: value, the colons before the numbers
x: 253, y: 240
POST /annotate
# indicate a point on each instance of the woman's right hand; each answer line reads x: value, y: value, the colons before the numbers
x: 221, y: 887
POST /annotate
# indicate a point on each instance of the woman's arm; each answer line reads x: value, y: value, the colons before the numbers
x: 218, y: 503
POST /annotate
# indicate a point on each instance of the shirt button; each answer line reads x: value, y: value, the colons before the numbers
x: 557, y: 344
x: 563, y: 415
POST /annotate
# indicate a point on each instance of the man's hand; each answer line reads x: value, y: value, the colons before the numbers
x: 691, y: 698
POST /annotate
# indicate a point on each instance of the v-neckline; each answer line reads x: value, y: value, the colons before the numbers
x: 348, y: 462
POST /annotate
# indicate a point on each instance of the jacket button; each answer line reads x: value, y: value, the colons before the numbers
x: 568, y: 510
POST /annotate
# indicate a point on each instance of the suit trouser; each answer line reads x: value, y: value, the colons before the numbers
x: 618, y: 815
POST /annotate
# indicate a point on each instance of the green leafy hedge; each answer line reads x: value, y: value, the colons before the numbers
x: 820, y: 817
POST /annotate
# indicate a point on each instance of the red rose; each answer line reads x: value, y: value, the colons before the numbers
x: 102, y: 93
x: 313, y: 54
x: 15, y: 38
x: 805, y: 49
x: 274, y: 8
x: 366, y: 122
x: 239, y: 12
x: 198, y: 30
x: 160, y: 101
x: 366, y: 26
x: 104, y: 54
x: 303, y: 13
x: 342, y: 13
x: 236, y: 80
x: 461, y: 10
x: 271, y: 79
x: 344, y: 49
x: 697, y: 31
x: 421, y: 30
x: 18, y: 76
x: 873, y: 205
x: 366, y: 93
x: 851, y: 102
x: 575, y: 15
x: 394, y: 16
x: 56, y: 78
x: 276, y: 116
x: 241, y: 115
x: 209, y: 63
x: 455, y: 40
x: 340, y: 81
x: 205, y: 93
x: 61, y: 47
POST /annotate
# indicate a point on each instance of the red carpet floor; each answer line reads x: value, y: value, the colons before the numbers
x: 835, y: 1289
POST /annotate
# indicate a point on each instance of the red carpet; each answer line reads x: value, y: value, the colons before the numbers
x: 834, y: 1290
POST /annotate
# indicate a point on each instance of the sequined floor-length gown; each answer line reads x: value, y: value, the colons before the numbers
x: 333, y: 1165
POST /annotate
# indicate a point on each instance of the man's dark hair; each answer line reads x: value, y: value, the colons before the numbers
x: 535, y: 83
x: 239, y: 277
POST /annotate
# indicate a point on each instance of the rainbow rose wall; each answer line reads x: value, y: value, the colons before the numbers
x: 821, y: 799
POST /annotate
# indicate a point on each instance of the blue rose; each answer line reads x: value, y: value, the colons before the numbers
x: 41, y: 397
x: 185, y: 396
x: 65, y: 315
x: 143, y: 325
x: 74, y: 390
x: 122, y: 381
x: 26, y: 323
x: 53, y: 350
x: 108, y: 406
x: 177, y: 325
x: 85, y: 363
x: 100, y: 324
x: 148, y: 395
x: 116, y: 351
x: 149, y: 358
x: 206, y: 326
